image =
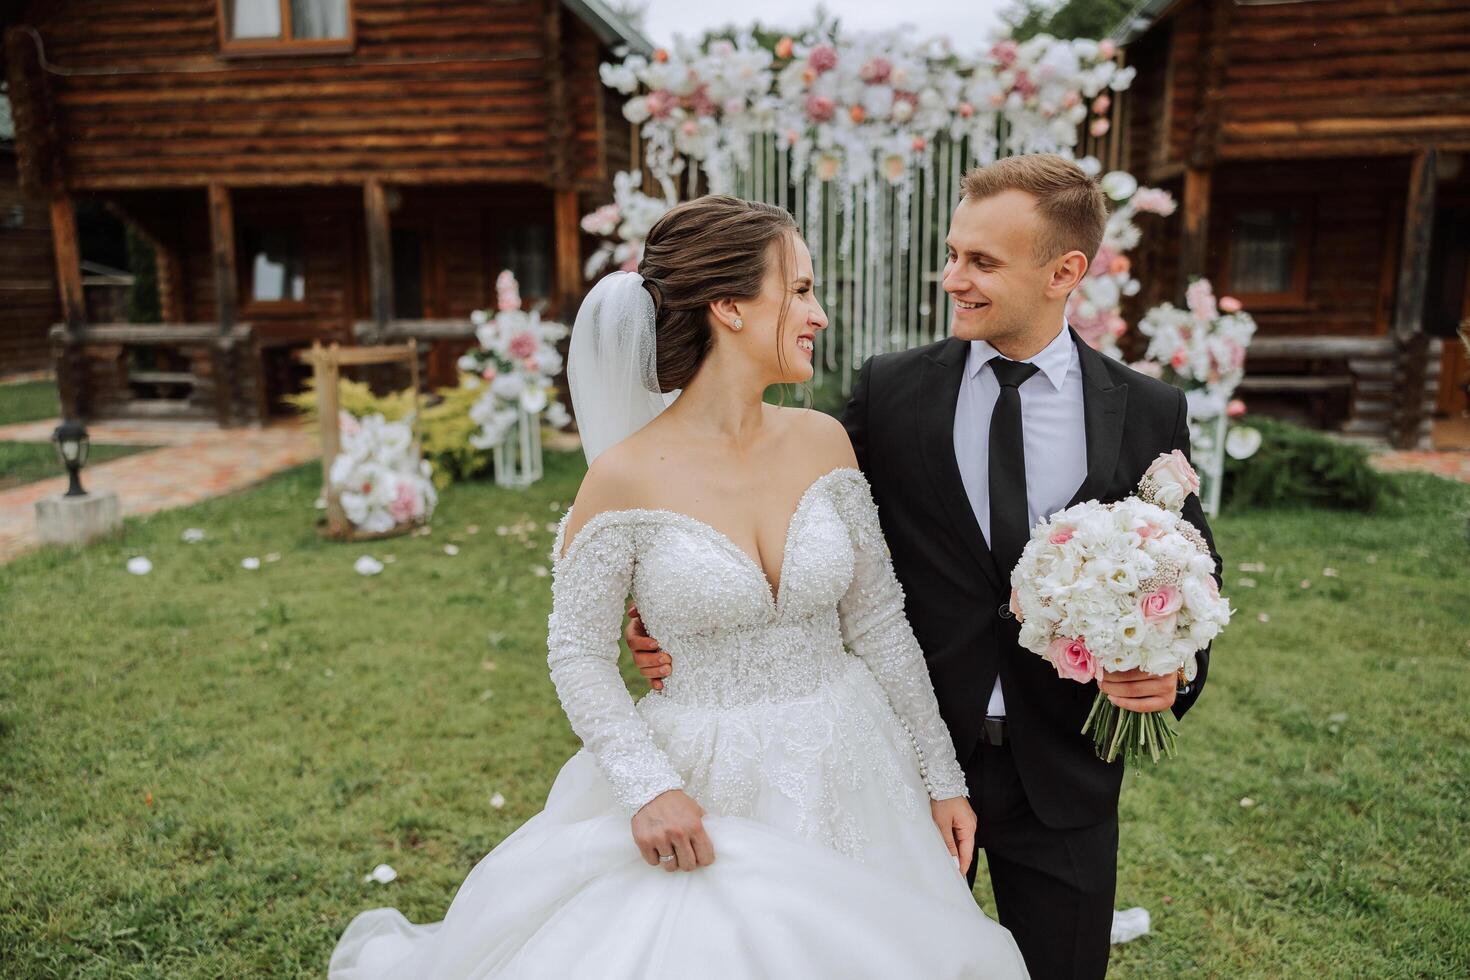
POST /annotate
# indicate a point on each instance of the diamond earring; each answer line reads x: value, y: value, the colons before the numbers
x: 739, y: 324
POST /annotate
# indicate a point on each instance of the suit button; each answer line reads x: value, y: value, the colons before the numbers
x: 1005, y: 611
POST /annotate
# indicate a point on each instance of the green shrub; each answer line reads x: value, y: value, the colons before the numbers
x: 1296, y: 467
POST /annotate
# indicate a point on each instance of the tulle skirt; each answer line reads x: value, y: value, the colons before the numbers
x: 568, y: 894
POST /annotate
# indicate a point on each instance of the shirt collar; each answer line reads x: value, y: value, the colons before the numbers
x: 1054, y: 360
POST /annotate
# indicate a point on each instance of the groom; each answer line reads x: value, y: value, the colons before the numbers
x: 967, y: 444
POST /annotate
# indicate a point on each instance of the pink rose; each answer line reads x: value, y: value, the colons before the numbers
x: 1099, y: 127
x: 822, y: 58
x: 1150, y: 368
x: 1072, y: 659
x: 1102, y: 104
x: 405, y: 505
x: 1062, y: 536
x: 489, y: 373
x: 1147, y: 531
x: 522, y: 345
x: 1160, y: 606
x: 819, y: 108
x: 1016, y: 605
x: 877, y: 71
x: 1106, y: 49
x: 1229, y: 304
x: 1004, y: 53
x: 1174, y: 468
x: 784, y: 48
x: 966, y: 110
x: 1235, y: 409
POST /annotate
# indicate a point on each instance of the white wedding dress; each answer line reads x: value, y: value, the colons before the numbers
x: 815, y: 766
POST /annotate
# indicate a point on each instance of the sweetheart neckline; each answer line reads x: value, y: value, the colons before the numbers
x: 773, y: 595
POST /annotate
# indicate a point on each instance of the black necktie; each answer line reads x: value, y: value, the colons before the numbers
x: 1010, y: 521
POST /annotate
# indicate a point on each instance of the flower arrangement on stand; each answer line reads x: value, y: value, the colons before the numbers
x: 1202, y: 349
x: 513, y: 367
x: 383, y: 485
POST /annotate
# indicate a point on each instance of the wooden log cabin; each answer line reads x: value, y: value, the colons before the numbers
x: 28, y: 301
x: 1321, y: 153
x: 335, y: 170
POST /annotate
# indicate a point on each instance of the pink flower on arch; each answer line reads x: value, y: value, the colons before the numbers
x: 522, y: 345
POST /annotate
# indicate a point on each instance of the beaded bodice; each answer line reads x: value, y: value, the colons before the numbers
x: 734, y: 644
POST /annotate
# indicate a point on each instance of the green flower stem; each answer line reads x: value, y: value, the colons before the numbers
x: 1135, y: 736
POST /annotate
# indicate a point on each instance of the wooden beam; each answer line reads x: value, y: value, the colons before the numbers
x: 567, y: 229
x: 558, y: 115
x: 1215, y: 55
x: 1414, y: 256
x: 1195, y: 236
x: 68, y: 261
x: 38, y: 153
x: 380, y: 250
x: 222, y: 244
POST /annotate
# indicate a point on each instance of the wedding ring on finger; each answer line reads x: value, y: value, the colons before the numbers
x: 665, y: 858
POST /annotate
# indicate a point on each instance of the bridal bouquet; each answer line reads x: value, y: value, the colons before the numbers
x: 1118, y: 587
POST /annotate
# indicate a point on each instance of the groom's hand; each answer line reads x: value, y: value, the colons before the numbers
x: 1138, y: 690
x: 652, y: 662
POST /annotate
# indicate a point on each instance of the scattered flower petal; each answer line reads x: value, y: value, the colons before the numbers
x: 1252, y: 566
x: 1306, y: 583
x: 250, y: 564
x: 273, y: 556
x: 486, y: 695
x: 472, y: 529
x: 389, y: 559
x: 489, y: 665
x: 367, y: 565
x: 1329, y: 573
x: 193, y: 535
x: 1371, y: 559
x: 1247, y: 802
x: 539, y: 571
x: 497, y: 801
x: 140, y: 565
x: 451, y: 550
x: 1246, y: 583
x: 502, y: 530
x: 1263, y: 617
x: 382, y: 874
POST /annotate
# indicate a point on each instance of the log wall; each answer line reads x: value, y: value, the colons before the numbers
x: 28, y: 296
x: 432, y: 93
x: 1329, y: 78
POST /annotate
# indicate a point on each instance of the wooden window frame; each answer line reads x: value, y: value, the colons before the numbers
x: 1296, y: 296
x: 286, y: 45
x: 266, y: 307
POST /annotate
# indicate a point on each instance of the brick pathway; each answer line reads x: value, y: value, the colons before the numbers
x: 194, y: 461
x: 1453, y: 464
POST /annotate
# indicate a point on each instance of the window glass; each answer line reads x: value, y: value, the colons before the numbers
x: 276, y: 270
x: 1263, y: 251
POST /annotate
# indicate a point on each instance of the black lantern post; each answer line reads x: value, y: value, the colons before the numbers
x: 70, y: 439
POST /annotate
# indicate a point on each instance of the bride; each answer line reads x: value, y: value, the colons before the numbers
x: 789, y: 803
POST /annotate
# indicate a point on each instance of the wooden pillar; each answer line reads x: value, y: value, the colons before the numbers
x: 1413, y: 277
x: 70, y: 366
x: 68, y: 261
x: 1195, y: 236
x: 170, y: 283
x: 380, y: 252
x: 567, y: 229
x: 222, y: 242
x: 1408, y: 315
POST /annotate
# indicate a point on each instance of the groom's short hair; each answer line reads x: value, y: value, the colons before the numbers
x: 1070, y: 202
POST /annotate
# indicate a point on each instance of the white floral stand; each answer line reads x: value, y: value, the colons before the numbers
x: 518, y: 454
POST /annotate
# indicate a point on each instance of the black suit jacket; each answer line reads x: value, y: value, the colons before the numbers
x: 901, y: 422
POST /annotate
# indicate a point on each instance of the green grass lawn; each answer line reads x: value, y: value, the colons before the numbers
x: 25, y: 462
x: 28, y: 401
x: 198, y: 766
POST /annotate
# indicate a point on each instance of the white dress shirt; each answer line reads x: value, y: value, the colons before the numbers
x: 1053, y: 433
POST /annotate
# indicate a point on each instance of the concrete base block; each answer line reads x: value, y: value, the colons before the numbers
x: 77, y: 520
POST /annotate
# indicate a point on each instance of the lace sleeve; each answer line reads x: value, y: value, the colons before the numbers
x: 587, y: 594
x: 876, y: 629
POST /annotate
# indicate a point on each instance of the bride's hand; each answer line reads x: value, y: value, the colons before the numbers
x: 957, y: 823
x: 672, y: 823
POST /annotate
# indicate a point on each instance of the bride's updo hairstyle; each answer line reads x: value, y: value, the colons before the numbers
x: 707, y: 249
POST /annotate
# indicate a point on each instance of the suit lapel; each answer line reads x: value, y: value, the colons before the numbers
x: 939, y: 392
x: 1103, y: 404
